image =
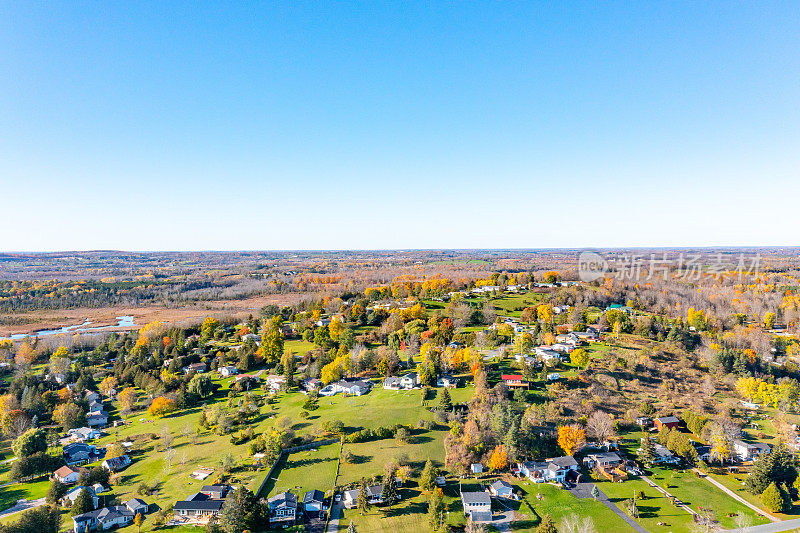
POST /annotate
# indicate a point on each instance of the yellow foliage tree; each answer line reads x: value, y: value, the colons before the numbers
x: 571, y: 438
x: 499, y: 458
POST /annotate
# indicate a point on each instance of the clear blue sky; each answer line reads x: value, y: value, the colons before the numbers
x: 307, y: 125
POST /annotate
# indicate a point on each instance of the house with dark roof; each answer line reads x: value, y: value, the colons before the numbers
x: 215, y: 492
x: 117, y: 463
x: 110, y: 517
x: 197, y: 506
x: 80, y: 452
x: 555, y: 469
x: 282, y: 508
x: 666, y: 422
x: 97, y: 419
x: 314, y: 502
x: 747, y: 451
x: 501, y: 489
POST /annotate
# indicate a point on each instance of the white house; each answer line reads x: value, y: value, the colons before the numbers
x: 446, y: 380
x: 477, y: 506
x: 555, y: 376
x: 747, y: 451
x: 555, y: 469
x: 405, y: 382
x: 227, y: 371
x: 67, y: 475
x: 374, y: 496
x: 83, y: 434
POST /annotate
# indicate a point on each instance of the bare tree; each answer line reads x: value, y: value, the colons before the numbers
x: 600, y: 426
x: 572, y: 523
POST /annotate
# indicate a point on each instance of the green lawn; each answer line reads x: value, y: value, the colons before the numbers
x: 303, y: 471
x: 558, y: 503
x: 372, y: 457
x: 507, y: 305
x: 299, y: 347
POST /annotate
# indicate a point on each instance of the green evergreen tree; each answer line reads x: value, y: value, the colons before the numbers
x: 427, y: 479
x: 436, y: 510
x: 361, y: 502
x: 56, y: 491
x: 351, y: 528
x: 773, y: 499
x: 775, y: 467
x: 647, y: 451
x: 388, y: 490
x: 445, y: 403
x: 83, y: 503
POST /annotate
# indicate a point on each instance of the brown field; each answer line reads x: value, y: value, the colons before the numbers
x: 191, y: 313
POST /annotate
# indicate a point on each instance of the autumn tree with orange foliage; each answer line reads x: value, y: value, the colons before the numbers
x: 162, y: 406
x: 499, y: 458
x: 571, y: 438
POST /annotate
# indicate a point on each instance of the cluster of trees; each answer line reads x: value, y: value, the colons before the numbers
x: 497, y: 426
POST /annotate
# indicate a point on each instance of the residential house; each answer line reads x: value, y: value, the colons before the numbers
x: 275, y: 382
x: 72, y: 494
x: 282, y: 508
x: 406, y: 382
x: 477, y: 506
x: 83, y: 434
x: 252, y: 337
x: 747, y: 451
x: 67, y: 475
x: 604, y: 460
x: 476, y: 468
x: 103, y: 519
x: 314, y: 502
x: 137, y: 506
x: 555, y: 469
x: 97, y: 419
x: 554, y: 376
x: 547, y: 354
x: 564, y: 348
x: 92, y: 396
x: 353, y: 386
x: 446, y: 380
x: 117, y: 463
x: 79, y: 452
x: 515, y: 381
x: 215, y: 492
x: 227, y: 371
x: 666, y: 422
x: 374, y: 496
x: 95, y: 407
x: 643, y: 421
x: 664, y: 456
x: 197, y: 508
x: 501, y: 489
x: 195, y: 367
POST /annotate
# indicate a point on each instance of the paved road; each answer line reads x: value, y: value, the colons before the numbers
x: 333, y: 523
x: 775, y: 527
x: 584, y: 490
x: 502, y: 521
x: 736, y: 497
x: 23, y: 506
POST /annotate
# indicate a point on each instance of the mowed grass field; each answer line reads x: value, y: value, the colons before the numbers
x: 547, y: 499
x: 303, y: 471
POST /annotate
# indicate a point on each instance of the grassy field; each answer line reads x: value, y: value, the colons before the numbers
x: 558, y: 503
x: 303, y: 471
x: 510, y: 305
x: 299, y: 347
x: 371, y: 457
